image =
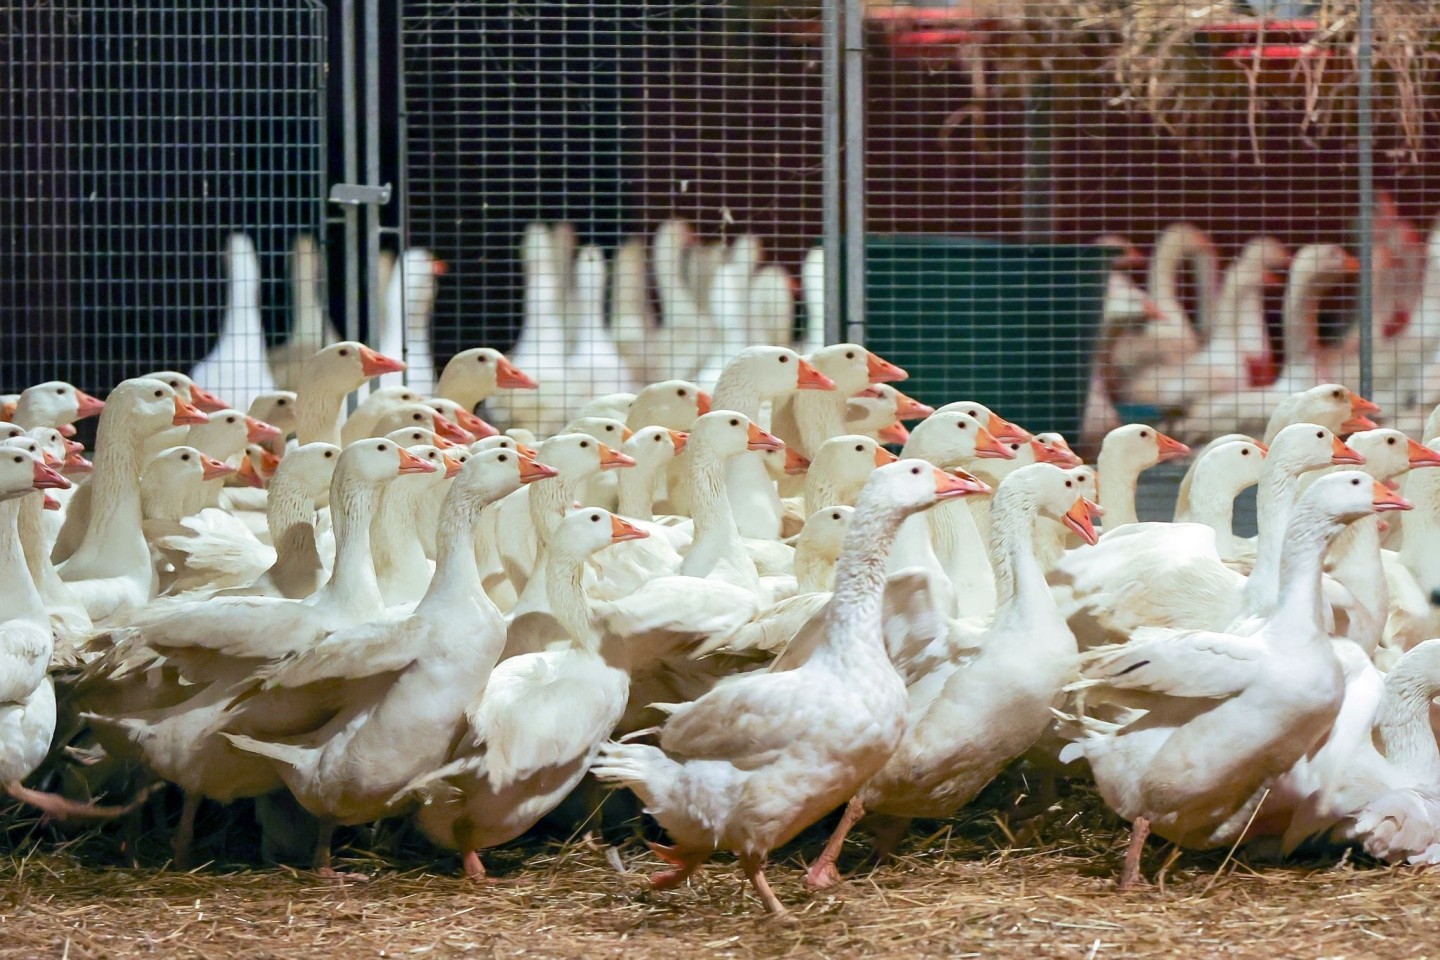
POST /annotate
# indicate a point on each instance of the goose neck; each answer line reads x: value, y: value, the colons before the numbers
x: 22, y: 598
x: 1018, y: 576
x: 352, y: 582
x: 860, y: 573
x: 550, y: 500
x: 463, y: 390
x: 564, y: 588
x: 1273, y: 505
x: 709, y: 504
x: 1212, y: 503
x: 393, y: 542
x: 637, y: 489
x: 318, y: 414
x: 1402, y: 724
x: 457, y: 572
x: 735, y: 391
x: 1118, y: 477
x: 115, y: 514
x: 1299, y: 606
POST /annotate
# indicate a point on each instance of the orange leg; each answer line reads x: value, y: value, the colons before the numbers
x: 474, y: 869
x: 185, y: 832
x: 686, y: 862
x: 754, y: 867
x: 322, y: 854
x: 1130, y: 876
x: 823, y: 872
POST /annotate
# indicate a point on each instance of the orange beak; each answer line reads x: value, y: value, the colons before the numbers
x: 509, y: 377
x: 1356, y: 424
x: 760, y: 440
x: 75, y: 463
x: 373, y: 364
x: 621, y: 529
x: 50, y: 502
x: 73, y: 446
x: 476, y: 426
x: 448, y: 429
x: 7, y: 410
x: 409, y: 463
x: 795, y: 464
x: 987, y: 447
x: 1359, y: 405
x: 678, y: 438
x: 531, y: 470
x: 1343, y: 454
x: 1387, y: 499
x: 703, y: 403
x: 612, y: 459
x: 883, y: 371
x: 1004, y: 430
x: 895, y: 433
x: 269, y: 463
x: 1060, y: 456
x: 1272, y: 279
x: 1352, y: 264
x: 908, y: 408
x: 205, y: 400
x: 212, y: 469
x: 440, y: 443
x: 1081, y: 518
x: 67, y: 430
x: 1421, y: 455
x: 439, y: 268
x: 949, y: 485
x: 872, y: 392
x: 883, y: 456
x: 530, y: 453
x: 47, y: 479
x: 452, y: 467
x: 258, y: 431
x: 1170, y: 448
x: 1264, y: 450
x: 249, y: 475
x: 187, y: 415
x: 90, y: 406
x: 49, y: 459
x: 808, y: 378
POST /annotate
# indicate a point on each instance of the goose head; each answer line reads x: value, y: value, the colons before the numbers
x: 1087, y: 481
x: 258, y: 466
x: 1000, y: 428
x: 950, y: 437
x: 879, y: 409
x: 1238, y: 463
x: 823, y: 535
x: 1301, y: 447
x: 464, y: 419
x: 442, y: 467
x: 489, y: 475
x: 275, y: 407
x: 723, y: 434
x: 344, y: 366
x: 851, y: 367
x: 385, y: 399
x: 58, y: 450
x: 54, y: 404
x: 414, y: 436
x: 1053, y: 493
x: 1348, y: 495
x: 1140, y: 446
x: 1389, y: 452
x: 150, y: 406
x: 420, y: 415
x: 227, y: 432
x: 1330, y: 404
x: 652, y: 447
x: 773, y: 372
x: 376, y: 461
x: 673, y: 404
x: 308, y: 469
x: 175, y: 470
x: 589, y: 530
x: 189, y: 391
x: 9, y: 431
x: 502, y: 442
x: 22, y: 471
x: 908, y: 486
x: 848, y: 460
x: 579, y: 455
x: 484, y: 370
x: 610, y: 432
x: 1057, y: 450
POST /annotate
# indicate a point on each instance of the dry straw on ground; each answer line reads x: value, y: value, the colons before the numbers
x: 967, y: 888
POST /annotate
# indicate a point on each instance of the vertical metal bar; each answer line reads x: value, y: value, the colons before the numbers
x: 371, y: 48
x: 833, y: 198
x: 1365, y: 143
x: 1038, y: 198
x: 854, y: 170
x: 352, y: 169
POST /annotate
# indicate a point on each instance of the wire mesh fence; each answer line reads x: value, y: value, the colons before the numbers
x: 136, y: 140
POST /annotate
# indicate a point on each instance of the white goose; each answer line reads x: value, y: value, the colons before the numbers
x: 237, y: 367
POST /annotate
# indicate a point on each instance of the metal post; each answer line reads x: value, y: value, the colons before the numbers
x: 352, y: 169
x: 832, y: 196
x: 1365, y: 143
x: 1038, y: 198
x: 855, y: 171
x: 371, y: 48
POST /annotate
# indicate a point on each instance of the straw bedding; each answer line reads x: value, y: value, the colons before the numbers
x: 977, y: 886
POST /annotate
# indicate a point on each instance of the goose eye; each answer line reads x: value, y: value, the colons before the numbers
x: 1336, y: 394
x: 382, y: 448
x: 1320, y: 435
x: 783, y: 359
x: 1144, y: 434
x: 849, y: 354
x: 19, y: 459
x: 185, y: 457
x: 503, y: 459
x: 59, y: 391
x: 329, y: 454
x: 480, y: 359
x: 1390, y: 441
x: 281, y: 402
x: 1354, y: 483
x: 1245, y: 453
x: 584, y: 445
x: 680, y: 392
x: 344, y: 353
x: 915, y: 471
x: 962, y: 425
x: 415, y: 417
x: 229, y: 419
x: 657, y: 438
x: 159, y: 393
x: 734, y: 423
x: 594, y: 518
x: 834, y: 516
x: 610, y: 429
x: 859, y: 448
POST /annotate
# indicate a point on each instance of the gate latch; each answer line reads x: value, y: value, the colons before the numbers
x: 359, y: 195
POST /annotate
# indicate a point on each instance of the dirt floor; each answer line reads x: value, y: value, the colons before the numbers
x: 974, y: 887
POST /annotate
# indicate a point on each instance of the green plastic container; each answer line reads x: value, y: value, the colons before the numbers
x: 1009, y: 325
